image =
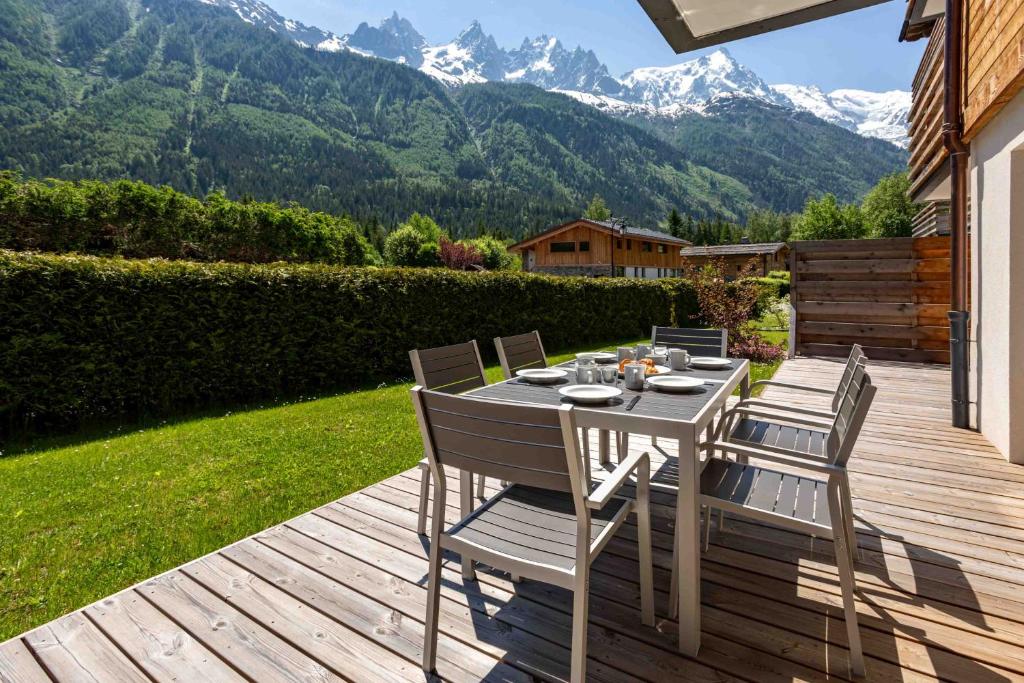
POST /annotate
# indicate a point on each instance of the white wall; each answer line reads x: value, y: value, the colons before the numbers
x: 997, y: 280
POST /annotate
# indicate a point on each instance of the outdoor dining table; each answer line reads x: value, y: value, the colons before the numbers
x: 680, y: 416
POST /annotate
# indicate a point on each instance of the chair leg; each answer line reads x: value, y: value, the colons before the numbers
x: 516, y: 578
x: 851, y: 532
x: 707, y: 529
x: 580, y: 615
x: 586, y: 443
x: 673, y: 591
x: 433, y: 594
x: 603, y: 446
x: 421, y: 522
x: 847, y: 582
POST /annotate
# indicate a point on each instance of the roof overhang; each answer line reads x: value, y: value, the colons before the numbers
x: 693, y: 24
x: 921, y: 17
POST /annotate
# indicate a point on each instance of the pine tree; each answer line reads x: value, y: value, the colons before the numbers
x: 676, y: 227
x: 597, y: 210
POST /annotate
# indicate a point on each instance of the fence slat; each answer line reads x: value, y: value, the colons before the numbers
x: 889, y: 295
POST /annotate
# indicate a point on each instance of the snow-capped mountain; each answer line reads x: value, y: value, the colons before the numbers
x: 697, y: 81
x: 873, y: 114
x: 475, y: 57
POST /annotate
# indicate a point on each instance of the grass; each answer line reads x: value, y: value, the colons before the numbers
x: 85, y: 516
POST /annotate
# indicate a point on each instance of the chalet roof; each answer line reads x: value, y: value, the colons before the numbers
x: 734, y: 249
x: 613, y: 227
x: 921, y: 18
x: 692, y: 24
x: 634, y: 231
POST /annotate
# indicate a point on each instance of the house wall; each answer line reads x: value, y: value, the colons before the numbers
x: 994, y: 70
x: 997, y: 272
x: 733, y: 264
x: 630, y: 257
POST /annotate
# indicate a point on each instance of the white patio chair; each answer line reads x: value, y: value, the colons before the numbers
x: 450, y: 370
x: 856, y: 358
x: 818, y: 504
x: 549, y: 525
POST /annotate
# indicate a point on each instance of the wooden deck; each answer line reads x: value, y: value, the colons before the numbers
x: 338, y: 592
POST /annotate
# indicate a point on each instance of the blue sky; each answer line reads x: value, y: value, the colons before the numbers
x: 855, y: 50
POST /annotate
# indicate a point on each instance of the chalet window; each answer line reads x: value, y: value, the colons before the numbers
x: 562, y: 247
x: 629, y: 245
x: 646, y: 246
x: 662, y: 249
x: 584, y: 246
x: 618, y: 244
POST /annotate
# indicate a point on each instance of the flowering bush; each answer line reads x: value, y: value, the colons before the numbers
x: 749, y: 344
x: 458, y: 255
x: 725, y: 304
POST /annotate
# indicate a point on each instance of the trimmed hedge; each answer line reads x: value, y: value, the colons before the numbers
x: 133, y: 219
x: 86, y: 337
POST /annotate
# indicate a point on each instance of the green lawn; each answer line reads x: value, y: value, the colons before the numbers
x: 84, y: 517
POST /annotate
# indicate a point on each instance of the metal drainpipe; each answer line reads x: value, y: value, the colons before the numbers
x: 952, y: 133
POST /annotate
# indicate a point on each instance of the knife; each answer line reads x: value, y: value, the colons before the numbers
x: 632, y: 403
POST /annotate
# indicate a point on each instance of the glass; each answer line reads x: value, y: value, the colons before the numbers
x: 624, y: 352
x: 586, y: 372
x: 609, y: 373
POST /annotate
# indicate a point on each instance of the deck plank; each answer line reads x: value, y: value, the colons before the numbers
x: 338, y: 593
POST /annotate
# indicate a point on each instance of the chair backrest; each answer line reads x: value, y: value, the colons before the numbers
x: 856, y: 358
x: 698, y: 341
x: 853, y: 408
x: 520, y: 352
x: 526, y: 444
x: 449, y: 369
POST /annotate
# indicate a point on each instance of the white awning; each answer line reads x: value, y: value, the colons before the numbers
x: 693, y: 24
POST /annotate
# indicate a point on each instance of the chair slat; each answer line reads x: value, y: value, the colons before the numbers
x: 805, y: 500
x: 520, y: 352
x: 765, y: 491
x: 451, y: 369
x: 786, y: 504
x: 698, y: 341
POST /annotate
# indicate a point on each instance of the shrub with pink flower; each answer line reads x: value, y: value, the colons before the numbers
x: 457, y: 255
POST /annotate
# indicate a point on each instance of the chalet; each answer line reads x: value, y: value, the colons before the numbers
x: 602, y: 248
x: 768, y: 256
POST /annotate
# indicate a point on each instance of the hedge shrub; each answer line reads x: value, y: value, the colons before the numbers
x: 85, y: 337
x: 137, y: 220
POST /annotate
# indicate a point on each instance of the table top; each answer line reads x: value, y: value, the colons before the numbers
x: 655, y: 405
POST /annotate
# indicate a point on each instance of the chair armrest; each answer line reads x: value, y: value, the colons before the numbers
x: 827, y: 414
x: 787, y: 385
x: 754, y: 412
x: 600, y: 496
x: 797, y: 459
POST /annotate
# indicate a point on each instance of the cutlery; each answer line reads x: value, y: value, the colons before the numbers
x: 632, y: 403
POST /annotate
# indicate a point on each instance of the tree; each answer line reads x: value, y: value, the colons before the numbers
x: 887, y: 209
x: 765, y: 225
x: 676, y: 226
x: 597, y: 210
x: 825, y: 219
x: 494, y: 254
x: 408, y: 247
x: 425, y: 226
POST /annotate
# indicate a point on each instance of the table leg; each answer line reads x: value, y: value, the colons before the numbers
x: 465, y: 508
x: 604, y: 449
x: 687, y: 542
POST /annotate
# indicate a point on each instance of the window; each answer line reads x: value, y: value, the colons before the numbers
x: 562, y: 247
x: 646, y: 246
x: 618, y: 244
x: 629, y: 245
x: 584, y: 246
x: 662, y: 249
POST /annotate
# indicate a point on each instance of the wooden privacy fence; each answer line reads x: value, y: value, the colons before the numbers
x: 889, y: 295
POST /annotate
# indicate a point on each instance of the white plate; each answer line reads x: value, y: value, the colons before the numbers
x: 710, y: 362
x: 658, y: 370
x: 675, y: 382
x: 541, y: 375
x: 589, y: 393
x: 597, y: 356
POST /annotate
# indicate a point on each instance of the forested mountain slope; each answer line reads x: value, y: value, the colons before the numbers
x: 175, y: 91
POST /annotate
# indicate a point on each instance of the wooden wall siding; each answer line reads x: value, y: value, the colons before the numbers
x: 600, y: 253
x: 927, y: 151
x: 765, y: 262
x: 995, y: 59
x: 890, y: 295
